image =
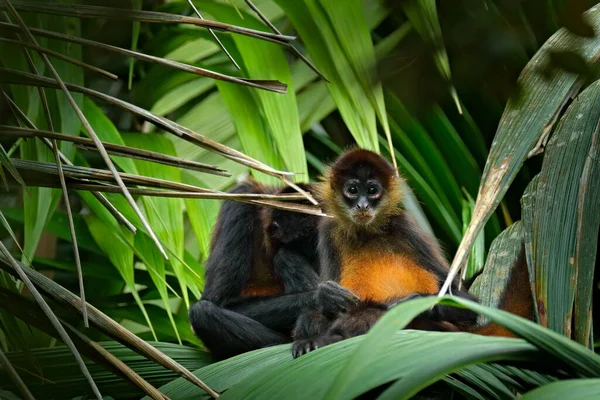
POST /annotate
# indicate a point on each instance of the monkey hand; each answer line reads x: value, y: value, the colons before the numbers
x: 332, y: 298
x: 305, y: 346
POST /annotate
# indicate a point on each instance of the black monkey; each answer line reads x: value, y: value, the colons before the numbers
x: 261, y: 274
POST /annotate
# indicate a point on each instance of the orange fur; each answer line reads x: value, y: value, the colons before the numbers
x: 378, y: 276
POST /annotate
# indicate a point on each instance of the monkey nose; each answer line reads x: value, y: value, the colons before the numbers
x: 363, y: 205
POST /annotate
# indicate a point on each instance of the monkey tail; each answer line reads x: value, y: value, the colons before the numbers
x: 516, y: 299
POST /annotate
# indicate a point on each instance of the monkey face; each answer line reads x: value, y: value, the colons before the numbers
x: 362, y: 196
x: 361, y: 189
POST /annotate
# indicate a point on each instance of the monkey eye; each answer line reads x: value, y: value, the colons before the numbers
x: 373, y: 191
x: 351, y: 191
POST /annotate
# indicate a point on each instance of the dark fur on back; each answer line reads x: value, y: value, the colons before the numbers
x: 260, y: 275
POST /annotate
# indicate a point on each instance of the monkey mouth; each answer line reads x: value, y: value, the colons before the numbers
x: 363, y: 217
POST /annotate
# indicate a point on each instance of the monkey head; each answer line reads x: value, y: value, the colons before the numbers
x: 288, y: 226
x: 361, y: 188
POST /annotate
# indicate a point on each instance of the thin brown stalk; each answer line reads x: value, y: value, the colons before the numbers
x: 125, y: 370
x: 84, y: 11
x: 14, y: 376
x: 60, y: 56
x: 20, y: 271
x: 61, y: 176
x: 291, y: 46
x: 99, y: 196
x: 114, y: 149
x: 191, y: 3
x: 107, y: 325
x: 19, y: 77
x: 270, y: 85
x: 89, y: 129
x: 268, y: 200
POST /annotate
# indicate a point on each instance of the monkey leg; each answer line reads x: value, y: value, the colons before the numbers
x: 227, y: 333
x: 320, y: 331
x: 441, y: 314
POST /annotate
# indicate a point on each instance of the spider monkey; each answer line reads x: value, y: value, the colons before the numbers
x: 376, y: 250
x: 261, y: 273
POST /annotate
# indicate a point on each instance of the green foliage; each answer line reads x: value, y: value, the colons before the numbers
x: 422, y: 81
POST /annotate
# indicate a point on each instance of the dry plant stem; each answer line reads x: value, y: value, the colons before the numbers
x: 61, y: 176
x: 20, y: 271
x: 84, y: 11
x: 99, y: 196
x: 214, y: 36
x: 8, y: 76
x: 104, y: 323
x: 60, y: 56
x: 244, y: 198
x: 114, y: 149
x: 274, y: 86
x: 294, y: 49
x: 133, y: 376
x: 89, y: 129
x: 14, y: 376
x: 300, y: 190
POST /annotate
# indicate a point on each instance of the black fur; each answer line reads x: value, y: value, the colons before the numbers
x: 230, y: 322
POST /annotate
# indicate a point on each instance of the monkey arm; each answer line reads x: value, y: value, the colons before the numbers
x: 331, y: 264
x: 295, y: 272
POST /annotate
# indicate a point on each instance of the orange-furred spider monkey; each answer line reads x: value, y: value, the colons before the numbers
x: 376, y: 250
x: 261, y: 274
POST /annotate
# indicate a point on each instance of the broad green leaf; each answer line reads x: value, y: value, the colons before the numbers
x: 526, y: 124
x: 504, y: 253
x: 427, y: 157
x: 528, y: 208
x: 314, y: 104
x: 107, y: 132
x: 555, y: 239
x: 67, y: 382
x: 583, y: 361
x: 263, y: 60
x: 443, y: 216
x: 258, y: 374
x: 460, y: 161
x: 164, y: 214
x: 202, y: 215
x: 372, y: 344
x: 209, y: 117
x: 588, y: 223
x: 57, y: 225
x: 477, y: 259
x: 181, y: 95
x: 486, y: 382
x: 119, y: 253
x: 161, y: 321
x: 350, y: 27
x: 194, y: 50
x: 573, y: 389
x: 256, y: 142
x: 69, y: 122
x: 423, y: 16
x: 322, y: 44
